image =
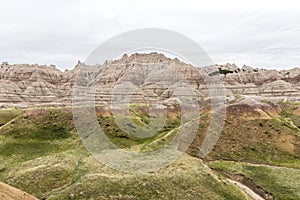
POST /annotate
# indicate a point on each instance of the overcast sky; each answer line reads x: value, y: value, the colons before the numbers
x: 61, y: 32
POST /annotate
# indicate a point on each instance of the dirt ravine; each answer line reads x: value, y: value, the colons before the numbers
x: 245, y: 184
x: 247, y: 190
x: 250, y: 187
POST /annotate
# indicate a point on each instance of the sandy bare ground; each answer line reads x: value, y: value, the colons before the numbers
x: 10, y: 193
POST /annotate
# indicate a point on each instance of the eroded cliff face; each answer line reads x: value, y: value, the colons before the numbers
x: 150, y: 77
x: 33, y: 83
x: 269, y: 84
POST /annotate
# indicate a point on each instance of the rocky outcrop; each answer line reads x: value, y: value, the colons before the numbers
x: 34, y: 84
x: 147, y: 77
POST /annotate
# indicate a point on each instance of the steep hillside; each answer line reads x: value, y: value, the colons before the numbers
x: 257, y: 132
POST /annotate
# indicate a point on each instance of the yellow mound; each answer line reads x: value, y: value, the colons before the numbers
x: 297, y: 111
x: 10, y: 193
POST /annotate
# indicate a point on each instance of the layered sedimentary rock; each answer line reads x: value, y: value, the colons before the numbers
x: 143, y: 78
x: 32, y: 83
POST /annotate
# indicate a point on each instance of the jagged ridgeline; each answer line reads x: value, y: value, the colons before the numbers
x: 24, y: 84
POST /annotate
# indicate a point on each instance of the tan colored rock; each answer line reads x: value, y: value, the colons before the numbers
x: 10, y: 193
x: 153, y: 75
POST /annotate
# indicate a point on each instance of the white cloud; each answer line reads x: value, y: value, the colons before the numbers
x: 257, y: 33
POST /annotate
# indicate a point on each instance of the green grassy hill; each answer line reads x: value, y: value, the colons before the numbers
x: 260, y: 145
x: 41, y: 153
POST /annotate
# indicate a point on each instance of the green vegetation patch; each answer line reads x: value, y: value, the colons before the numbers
x: 185, y: 179
x: 124, y: 138
x: 41, y: 154
x: 7, y: 115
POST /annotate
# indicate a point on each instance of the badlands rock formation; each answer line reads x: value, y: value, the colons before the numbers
x: 148, y: 77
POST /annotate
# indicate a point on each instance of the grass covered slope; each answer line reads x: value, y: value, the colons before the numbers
x: 259, y: 147
x: 41, y: 153
x: 267, y: 134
